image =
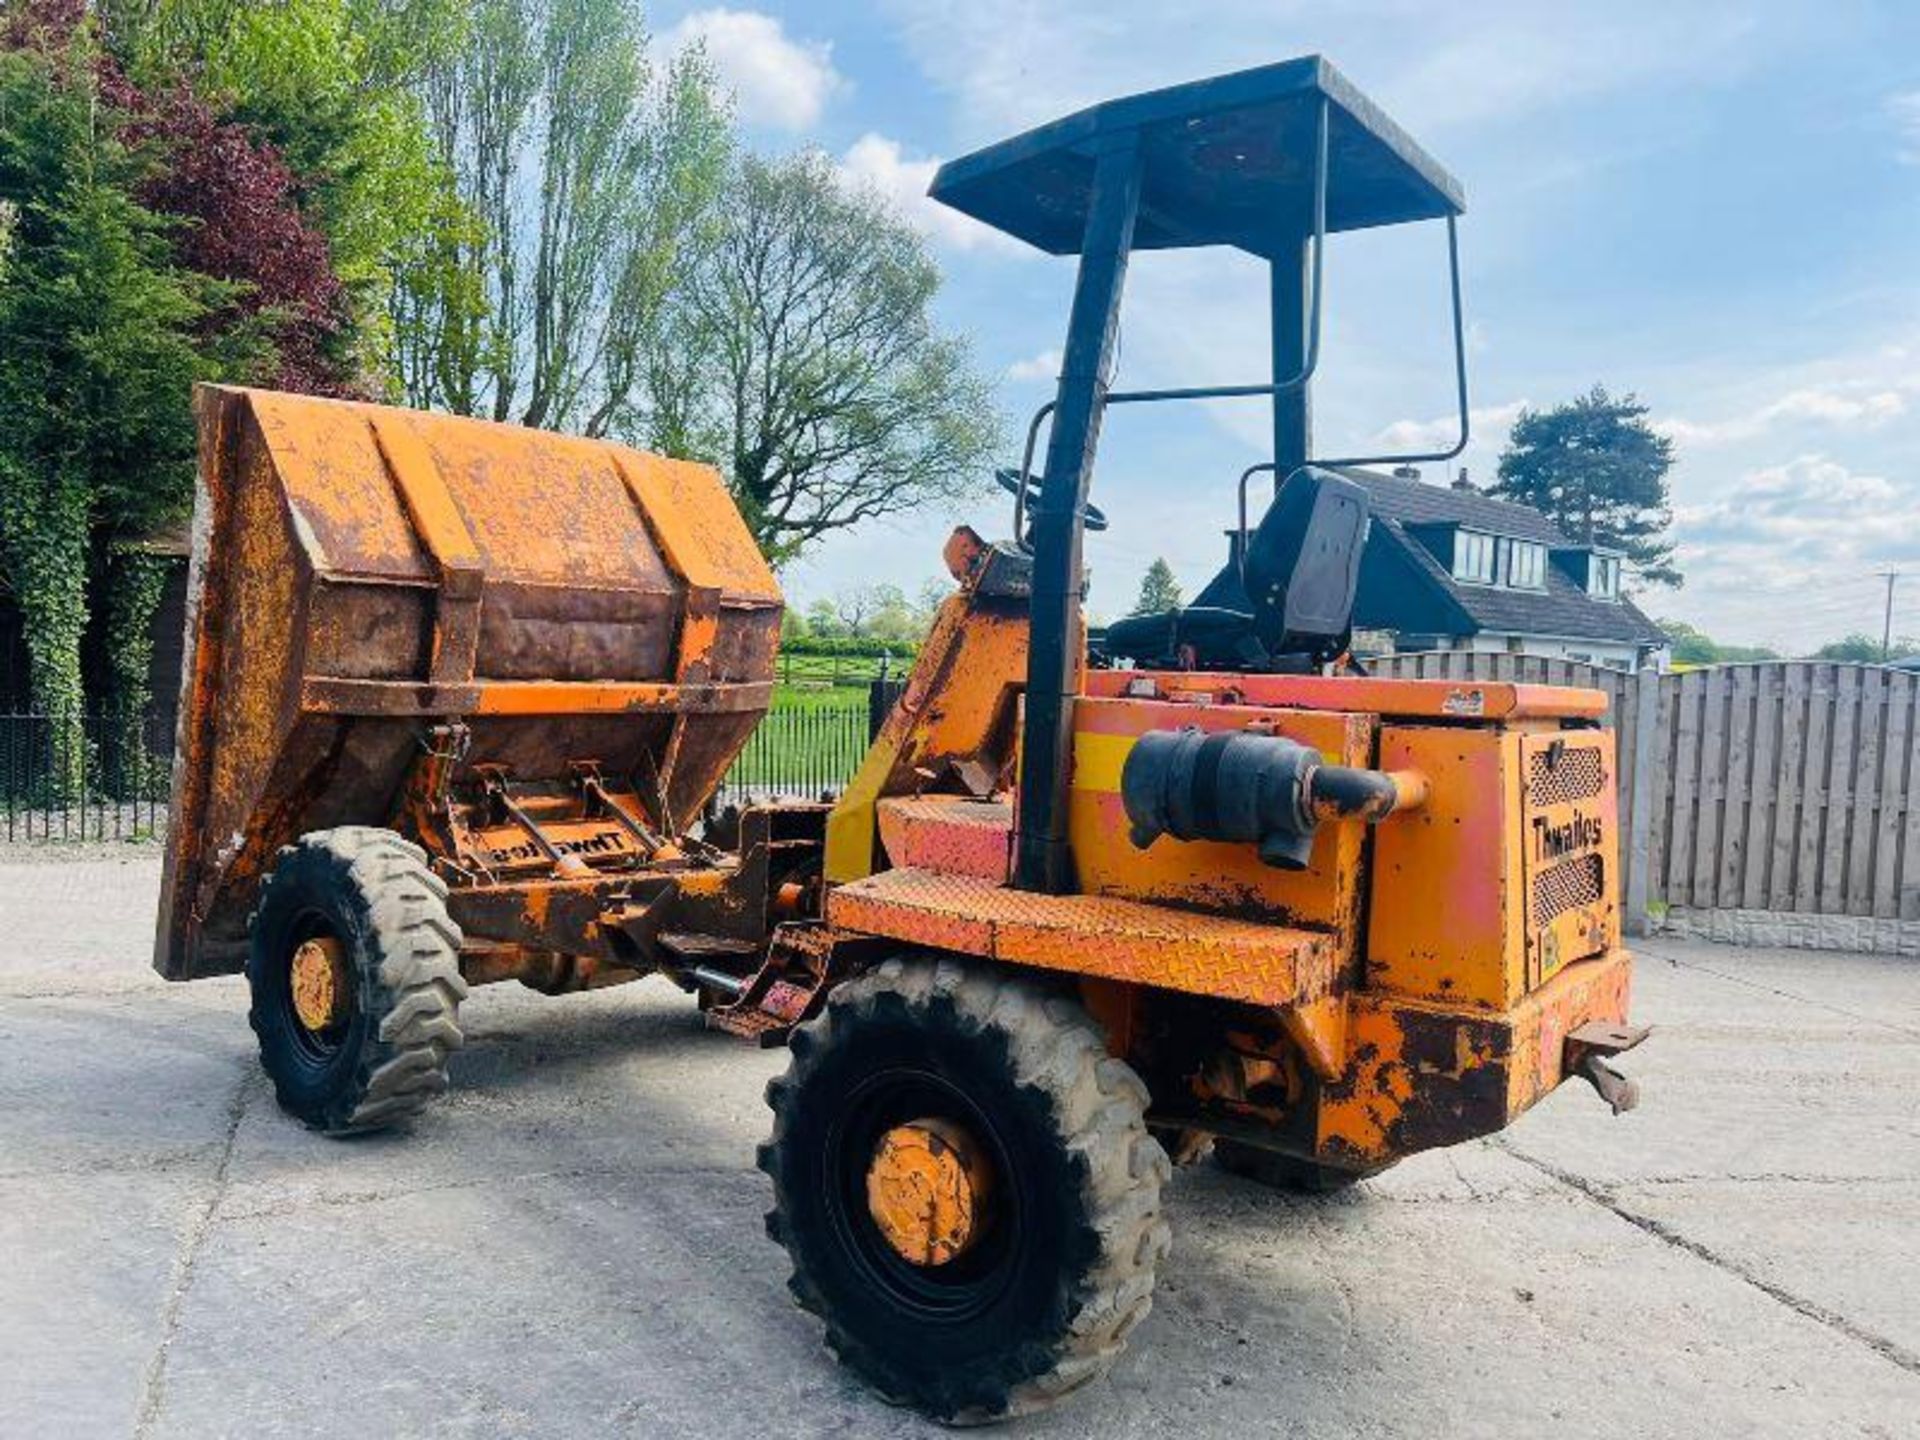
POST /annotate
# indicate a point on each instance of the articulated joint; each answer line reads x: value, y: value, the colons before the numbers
x: 1246, y: 788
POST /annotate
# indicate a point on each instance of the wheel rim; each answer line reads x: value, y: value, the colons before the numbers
x: 930, y: 1190
x: 929, y: 1265
x: 320, y: 987
x: 318, y: 996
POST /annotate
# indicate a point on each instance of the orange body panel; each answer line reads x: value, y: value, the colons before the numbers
x: 1421, y: 1074
x: 1569, y: 816
x: 1452, y: 917
x: 1438, y: 699
x: 1446, y: 878
x: 1205, y: 874
x: 952, y: 834
x: 1418, y: 977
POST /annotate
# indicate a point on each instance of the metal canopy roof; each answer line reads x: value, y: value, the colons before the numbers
x: 1226, y: 161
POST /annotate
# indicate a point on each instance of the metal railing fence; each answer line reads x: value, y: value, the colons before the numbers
x: 802, y: 753
x: 107, y: 777
x: 83, y: 777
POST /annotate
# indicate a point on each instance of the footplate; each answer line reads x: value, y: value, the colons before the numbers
x: 789, y: 987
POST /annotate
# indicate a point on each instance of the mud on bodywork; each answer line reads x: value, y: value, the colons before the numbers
x: 363, y: 576
x: 1420, y: 1076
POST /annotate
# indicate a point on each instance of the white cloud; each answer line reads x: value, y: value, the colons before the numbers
x: 1905, y: 110
x: 1808, y: 495
x: 1790, y: 554
x: 985, y: 53
x: 1014, y: 62
x: 776, y: 81
x: 1804, y: 527
x: 1845, y: 406
x: 1044, y: 366
x: 1501, y: 62
x: 882, y: 165
x: 1487, y: 423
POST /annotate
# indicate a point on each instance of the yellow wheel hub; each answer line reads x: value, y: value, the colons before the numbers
x: 320, y: 989
x: 927, y: 1190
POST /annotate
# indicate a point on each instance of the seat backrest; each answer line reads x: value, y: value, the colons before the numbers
x: 1303, y: 564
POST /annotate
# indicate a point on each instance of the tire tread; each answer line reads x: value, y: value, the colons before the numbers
x: 1099, y: 1105
x: 416, y: 986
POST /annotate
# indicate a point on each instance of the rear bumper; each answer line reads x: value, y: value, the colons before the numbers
x: 1421, y: 1075
x: 1591, y: 992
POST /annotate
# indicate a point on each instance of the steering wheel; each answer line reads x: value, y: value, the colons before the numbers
x: 1091, y: 515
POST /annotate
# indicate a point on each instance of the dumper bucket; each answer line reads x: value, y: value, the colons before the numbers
x: 362, y: 574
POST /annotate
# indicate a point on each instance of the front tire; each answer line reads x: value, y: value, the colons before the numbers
x: 1057, y: 1265
x: 355, y: 973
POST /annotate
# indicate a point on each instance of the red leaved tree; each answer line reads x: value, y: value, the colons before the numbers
x: 241, y: 223
x: 40, y: 24
x: 236, y: 201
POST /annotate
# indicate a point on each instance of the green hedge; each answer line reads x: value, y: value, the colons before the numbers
x: 865, y: 645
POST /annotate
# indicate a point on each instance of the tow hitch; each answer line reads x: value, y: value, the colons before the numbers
x: 1590, y: 1047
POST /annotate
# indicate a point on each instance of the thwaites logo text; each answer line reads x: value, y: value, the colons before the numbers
x: 1550, y: 841
x: 601, y: 842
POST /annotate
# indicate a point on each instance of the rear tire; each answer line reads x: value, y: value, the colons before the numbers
x: 1063, y: 1268
x: 382, y: 1055
x: 1281, y: 1172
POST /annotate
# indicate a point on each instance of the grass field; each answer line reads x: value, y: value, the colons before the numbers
x: 811, y: 742
x: 819, y: 697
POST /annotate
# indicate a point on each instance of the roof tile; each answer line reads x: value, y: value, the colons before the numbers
x: 1562, y: 610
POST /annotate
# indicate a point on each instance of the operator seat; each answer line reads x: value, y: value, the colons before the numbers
x: 1284, y: 602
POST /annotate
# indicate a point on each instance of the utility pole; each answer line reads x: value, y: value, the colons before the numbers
x: 1886, y: 629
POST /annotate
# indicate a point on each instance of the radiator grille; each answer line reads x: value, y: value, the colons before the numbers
x: 1578, y: 775
x: 1562, y: 887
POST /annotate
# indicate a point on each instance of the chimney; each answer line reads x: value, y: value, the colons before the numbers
x: 1461, y: 482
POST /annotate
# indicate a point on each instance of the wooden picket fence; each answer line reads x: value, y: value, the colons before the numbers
x: 1790, y: 787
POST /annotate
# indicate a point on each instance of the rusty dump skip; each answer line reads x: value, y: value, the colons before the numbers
x: 362, y: 574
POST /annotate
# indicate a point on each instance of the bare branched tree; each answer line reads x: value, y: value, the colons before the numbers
x: 803, y: 357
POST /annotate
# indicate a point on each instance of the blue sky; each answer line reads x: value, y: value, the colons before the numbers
x: 1714, y: 206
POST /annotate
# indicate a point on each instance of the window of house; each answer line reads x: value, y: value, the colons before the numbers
x: 1603, y: 578
x: 1526, y: 565
x: 1473, y: 557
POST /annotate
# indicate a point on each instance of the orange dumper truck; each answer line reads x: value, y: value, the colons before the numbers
x: 459, y: 695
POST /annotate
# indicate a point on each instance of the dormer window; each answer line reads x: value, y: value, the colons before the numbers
x: 1603, y: 577
x: 1473, y: 557
x: 1526, y: 565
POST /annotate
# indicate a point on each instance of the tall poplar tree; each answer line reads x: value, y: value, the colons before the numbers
x: 589, y: 170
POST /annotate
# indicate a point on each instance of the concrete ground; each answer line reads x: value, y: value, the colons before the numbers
x: 572, y: 1244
